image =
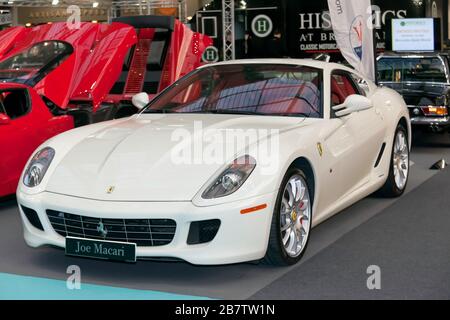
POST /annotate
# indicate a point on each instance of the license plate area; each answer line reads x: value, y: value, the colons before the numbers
x: 99, y: 249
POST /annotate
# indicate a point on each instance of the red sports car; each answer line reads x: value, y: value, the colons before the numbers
x: 25, y: 122
x: 53, y: 78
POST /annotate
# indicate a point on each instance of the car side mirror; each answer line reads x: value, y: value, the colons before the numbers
x: 353, y: 103
x: 4, y: 119
x: 140, y: 100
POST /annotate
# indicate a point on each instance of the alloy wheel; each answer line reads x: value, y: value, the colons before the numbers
x: 295, y: 216
x: 400, y: 160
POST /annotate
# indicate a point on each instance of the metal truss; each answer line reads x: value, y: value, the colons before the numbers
x: 228, y: 30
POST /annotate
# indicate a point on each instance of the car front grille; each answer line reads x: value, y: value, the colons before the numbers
x: 143, y: 232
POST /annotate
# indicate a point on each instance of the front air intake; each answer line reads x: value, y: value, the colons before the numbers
x: 203, y: 231
x: 32, y: 217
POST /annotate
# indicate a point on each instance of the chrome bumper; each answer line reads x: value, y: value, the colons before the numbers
x: 431, y: 121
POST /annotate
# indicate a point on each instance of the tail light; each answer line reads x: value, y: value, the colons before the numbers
x: 435, y: 111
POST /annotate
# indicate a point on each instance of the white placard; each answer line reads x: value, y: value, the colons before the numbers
x: 413, y: 34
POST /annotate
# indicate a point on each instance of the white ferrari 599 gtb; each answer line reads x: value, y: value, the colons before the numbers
x: 235, y: 162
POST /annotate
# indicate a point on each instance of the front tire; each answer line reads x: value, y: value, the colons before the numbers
x: 291, y: 220
x: 397, y: 180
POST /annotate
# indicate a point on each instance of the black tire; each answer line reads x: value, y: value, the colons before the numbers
x: 276, y: 254
x: 390, y: 188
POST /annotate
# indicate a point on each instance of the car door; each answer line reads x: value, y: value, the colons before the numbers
x: 20, y: 136
x: 358, y: 138
x: 7, y: 154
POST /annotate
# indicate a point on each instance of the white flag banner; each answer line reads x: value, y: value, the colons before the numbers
x: 352, y: 26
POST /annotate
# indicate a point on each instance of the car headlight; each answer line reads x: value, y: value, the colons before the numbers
x: 38, y: 166
x: 231, y: 179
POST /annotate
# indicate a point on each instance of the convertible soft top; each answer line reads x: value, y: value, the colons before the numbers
x: 91, y: 69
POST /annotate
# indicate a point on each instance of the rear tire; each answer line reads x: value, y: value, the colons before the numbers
x: 291, y: 221
x: 397, y: 180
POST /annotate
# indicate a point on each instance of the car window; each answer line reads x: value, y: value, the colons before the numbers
x: 262, y: 89
x: 342, y: 86
x: 15, y: 103
x: 363, y: 86
x: 428, y: 69
x: 30, y: 65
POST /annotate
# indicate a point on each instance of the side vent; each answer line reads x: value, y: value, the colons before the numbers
x: 380, y: 155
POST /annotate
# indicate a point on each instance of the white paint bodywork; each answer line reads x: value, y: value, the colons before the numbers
x: 134, y: 156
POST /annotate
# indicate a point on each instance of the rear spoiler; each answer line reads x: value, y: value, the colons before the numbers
x: 141, y: 22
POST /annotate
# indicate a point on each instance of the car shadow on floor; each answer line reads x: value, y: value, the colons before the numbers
x: 149, y: 274
x: 8, y: 202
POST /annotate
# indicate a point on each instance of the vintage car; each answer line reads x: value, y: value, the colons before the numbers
x: 423, y: 81
x: 234, y: 162
x: 61, y: 77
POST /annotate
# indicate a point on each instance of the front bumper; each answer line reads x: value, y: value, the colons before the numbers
x: 240, y: 238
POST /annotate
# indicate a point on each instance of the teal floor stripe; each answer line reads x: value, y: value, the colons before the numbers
x: 15, y: 287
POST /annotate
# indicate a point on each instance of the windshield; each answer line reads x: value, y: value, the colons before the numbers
x: 412, y: 69
x: 255, y: 89
x: 32, y: 64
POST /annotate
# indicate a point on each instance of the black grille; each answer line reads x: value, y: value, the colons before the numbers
x: 143, y: 232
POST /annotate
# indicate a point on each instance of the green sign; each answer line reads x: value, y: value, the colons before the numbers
x: 211, y: 54
x: 262, y: 26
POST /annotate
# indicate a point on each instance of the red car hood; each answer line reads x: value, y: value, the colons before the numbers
x: 91, y: 70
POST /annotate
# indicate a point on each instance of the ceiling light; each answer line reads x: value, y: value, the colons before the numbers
x: 55, y: 2
x: 95, y: 4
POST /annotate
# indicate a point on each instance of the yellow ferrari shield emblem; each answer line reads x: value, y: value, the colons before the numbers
x: 319, y: 148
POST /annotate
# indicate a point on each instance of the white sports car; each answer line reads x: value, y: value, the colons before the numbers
x: 235, y: 162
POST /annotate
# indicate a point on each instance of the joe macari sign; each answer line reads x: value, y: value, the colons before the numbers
x: 98, y: 249
x: 309, y: 29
